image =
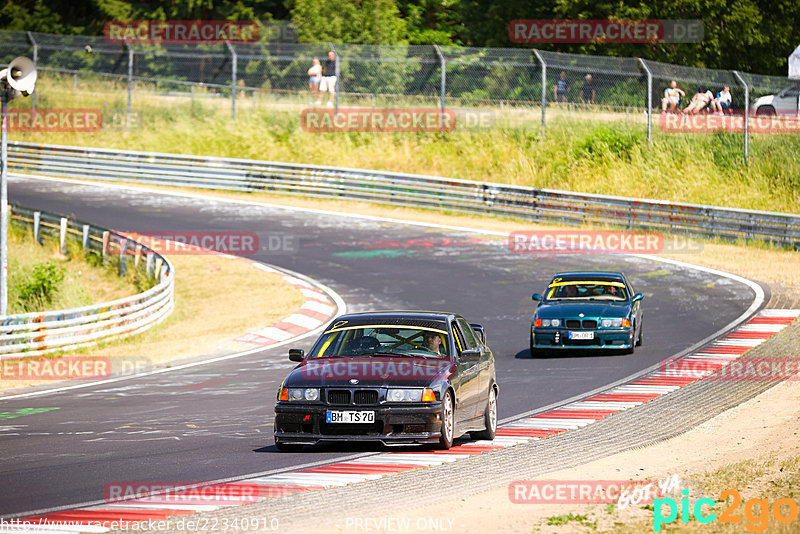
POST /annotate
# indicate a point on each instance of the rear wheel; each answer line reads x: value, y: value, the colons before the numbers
x: 489, y: 419
x: 640, y: 340
x: 448, y: 422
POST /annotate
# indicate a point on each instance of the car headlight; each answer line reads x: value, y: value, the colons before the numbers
x: 611, y: 323
x: 404, y: 395
x: 411, y: 395
x: 298, y: 394
x: 551, y: 322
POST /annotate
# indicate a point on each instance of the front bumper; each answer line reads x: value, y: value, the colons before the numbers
x: 297, y: 423
x: 558, y: 338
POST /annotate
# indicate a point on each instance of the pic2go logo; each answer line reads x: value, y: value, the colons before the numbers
x: 757, y: 512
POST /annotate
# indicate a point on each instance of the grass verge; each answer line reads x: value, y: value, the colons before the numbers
x: 590, y: 152
x: 204, y: 286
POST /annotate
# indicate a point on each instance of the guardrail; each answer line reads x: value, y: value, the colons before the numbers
x: 37, y: 333
x: 415, y: 190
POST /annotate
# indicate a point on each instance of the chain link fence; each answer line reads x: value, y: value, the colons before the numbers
x: 526, y: 88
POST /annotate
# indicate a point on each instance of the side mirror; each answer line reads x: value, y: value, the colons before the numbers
x: 471, y: 355
x: 480, y: 331
x: 536, y: 296
x: 297, y: 355
x: 637, y: 297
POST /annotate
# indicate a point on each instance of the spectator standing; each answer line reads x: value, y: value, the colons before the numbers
x: 588, y: 92
x: 328, y: 82
x: 672, y: 97
x: 314, y: 77
x: 561, y: 88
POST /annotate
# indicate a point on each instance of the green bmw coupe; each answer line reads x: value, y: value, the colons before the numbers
x: 587, y: 310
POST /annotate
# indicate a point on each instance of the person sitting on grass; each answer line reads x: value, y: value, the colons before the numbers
x: 724, y: 100
x: 672, y: 97
x: 700, y: 100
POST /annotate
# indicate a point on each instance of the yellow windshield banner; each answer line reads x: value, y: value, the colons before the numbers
x: 398, y: 326
x: 595, y: 282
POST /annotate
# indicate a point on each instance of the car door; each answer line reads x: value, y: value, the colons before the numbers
x: 469, y: 374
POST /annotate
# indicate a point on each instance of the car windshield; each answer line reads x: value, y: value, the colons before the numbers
x: 586, y: 290
x: 379, y: 340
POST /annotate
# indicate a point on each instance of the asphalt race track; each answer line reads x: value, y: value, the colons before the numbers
x: 213, y: 421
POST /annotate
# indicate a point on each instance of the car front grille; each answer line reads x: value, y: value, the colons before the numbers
x: 586, y: 324
x: 366, y: 396
x: 338, y: 396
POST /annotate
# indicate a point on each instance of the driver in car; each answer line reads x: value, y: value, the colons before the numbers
x: 432, y: 342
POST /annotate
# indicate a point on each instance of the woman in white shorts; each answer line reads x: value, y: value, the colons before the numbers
x: 314, y: 77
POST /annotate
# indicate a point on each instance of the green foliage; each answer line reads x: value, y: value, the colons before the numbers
x: 746, y: 35
x: 349, y: 21
x: 40, y: 287
x: 607, y: 141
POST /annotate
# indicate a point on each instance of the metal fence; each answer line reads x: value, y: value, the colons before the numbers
x: 490, y: 198
x: 37, y: 333
x: 576, y: 86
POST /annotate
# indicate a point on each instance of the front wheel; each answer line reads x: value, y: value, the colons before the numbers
x: 489, y: 419
x: 640, y: 339
x: 448, y: 422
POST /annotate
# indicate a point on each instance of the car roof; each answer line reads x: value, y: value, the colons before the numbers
x: 588, y: 275
x: 405, y: 314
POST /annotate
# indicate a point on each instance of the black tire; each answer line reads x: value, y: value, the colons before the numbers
x: 633, y: 344
x: 640, y: 340
x: 489, y: 419
x: 766, y: 111
x: 448, y: 422
x: 535, y: 353
x: 288, y: 447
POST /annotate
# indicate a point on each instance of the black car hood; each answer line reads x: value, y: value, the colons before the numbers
x: 370, y: 371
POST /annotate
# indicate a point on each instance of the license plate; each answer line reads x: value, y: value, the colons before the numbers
x: 349, y: 417
x: 581, y: 335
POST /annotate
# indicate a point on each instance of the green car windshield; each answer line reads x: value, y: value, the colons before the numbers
x: 381, y: 340
x: 586, y: 290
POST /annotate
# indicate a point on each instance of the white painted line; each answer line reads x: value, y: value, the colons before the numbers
x: 303, y: 320
x: 546, y: 424
x: 773, y: 328
x: 317, y: 306
x: 601, y: 405
x: 642, y: 388
x: 318, y: 479
x: 134, y: 505
x: 738, y: 342
x: 780, y: 313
